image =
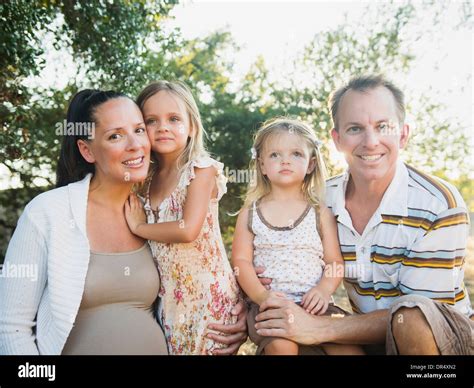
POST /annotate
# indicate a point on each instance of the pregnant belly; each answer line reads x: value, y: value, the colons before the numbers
x: 118, y: 328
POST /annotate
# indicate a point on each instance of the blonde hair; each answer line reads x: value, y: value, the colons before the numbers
x: 313, y: 186
x: 195, y: 147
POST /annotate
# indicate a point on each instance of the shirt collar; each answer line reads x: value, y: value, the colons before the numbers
x: 394, y: 201
x: 339, y: 201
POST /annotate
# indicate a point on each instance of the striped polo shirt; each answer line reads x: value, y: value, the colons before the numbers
x: 415, y: 242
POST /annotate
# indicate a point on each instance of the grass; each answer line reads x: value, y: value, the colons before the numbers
x: 341, y: 300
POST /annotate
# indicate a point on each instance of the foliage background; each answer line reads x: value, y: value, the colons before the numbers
x: 125, y: 44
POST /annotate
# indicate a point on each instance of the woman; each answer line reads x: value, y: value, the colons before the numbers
x: 95, y: 281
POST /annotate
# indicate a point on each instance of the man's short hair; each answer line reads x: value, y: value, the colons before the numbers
x: 362, y: 84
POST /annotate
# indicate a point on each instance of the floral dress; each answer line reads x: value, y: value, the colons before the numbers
x: 198, y: 286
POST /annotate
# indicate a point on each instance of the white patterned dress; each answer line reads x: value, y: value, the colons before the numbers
x: 292, y: 255
x: 198, y: 286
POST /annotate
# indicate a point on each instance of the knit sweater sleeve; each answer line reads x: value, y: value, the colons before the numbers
x: 22, y: 283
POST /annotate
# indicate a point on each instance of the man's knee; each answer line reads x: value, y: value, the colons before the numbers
x: 412, y: 333
x: 409, y: 322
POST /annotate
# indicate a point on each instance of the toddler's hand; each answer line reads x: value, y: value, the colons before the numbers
x: 270, y: 294
x: 276, y: 294
x: 134, y: 213
x: 315, y: 301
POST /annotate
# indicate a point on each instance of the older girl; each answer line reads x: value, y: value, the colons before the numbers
x: 182, y: 196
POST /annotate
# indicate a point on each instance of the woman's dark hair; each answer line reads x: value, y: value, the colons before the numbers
x: 72, y: 167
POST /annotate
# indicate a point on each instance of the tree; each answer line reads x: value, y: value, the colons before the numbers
x: 122, y: 45
x: 108, y: 41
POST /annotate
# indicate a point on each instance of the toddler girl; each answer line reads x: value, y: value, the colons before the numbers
x: 285, y: 227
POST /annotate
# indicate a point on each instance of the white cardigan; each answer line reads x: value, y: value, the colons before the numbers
x: 37, y: 314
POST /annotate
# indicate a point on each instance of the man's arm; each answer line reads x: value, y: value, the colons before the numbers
x: 433, y: 267
x: 283, y: 318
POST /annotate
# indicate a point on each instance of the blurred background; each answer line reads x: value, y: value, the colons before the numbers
x: 245, y: 62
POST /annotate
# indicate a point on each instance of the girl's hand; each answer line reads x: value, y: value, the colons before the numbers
x: 269, y: 294
x: 275, y: 294
x: 316, y: 301
x: 134, y: 213
x: 233, y: 335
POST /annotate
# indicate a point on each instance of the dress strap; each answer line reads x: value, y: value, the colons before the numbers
x: 317, y: 213
x: 203, y: 162
x: 250, y: 217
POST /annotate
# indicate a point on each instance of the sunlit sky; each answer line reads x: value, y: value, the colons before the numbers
x: 280, y: 30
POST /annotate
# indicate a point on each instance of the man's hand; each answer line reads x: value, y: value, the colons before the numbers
x: 234, y: 335
x: 283, y: 318
x: 316, y: 301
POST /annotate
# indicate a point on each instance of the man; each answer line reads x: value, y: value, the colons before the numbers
x: 402, y: 235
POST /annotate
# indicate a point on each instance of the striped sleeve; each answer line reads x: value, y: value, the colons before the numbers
x: 434, y: 266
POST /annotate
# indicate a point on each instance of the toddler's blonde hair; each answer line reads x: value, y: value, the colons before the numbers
x: 313, y: 186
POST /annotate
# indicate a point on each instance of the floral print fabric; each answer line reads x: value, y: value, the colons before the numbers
x: 198, y: 286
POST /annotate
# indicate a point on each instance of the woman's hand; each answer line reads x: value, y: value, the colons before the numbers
x: 265, y: 281
x: 234, y: 335
x: 134, y: 213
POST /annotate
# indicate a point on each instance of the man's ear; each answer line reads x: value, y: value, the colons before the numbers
x: 85, y: 150
x: 312, y: 165
x: 405, y: 134
x: 335, y: 137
